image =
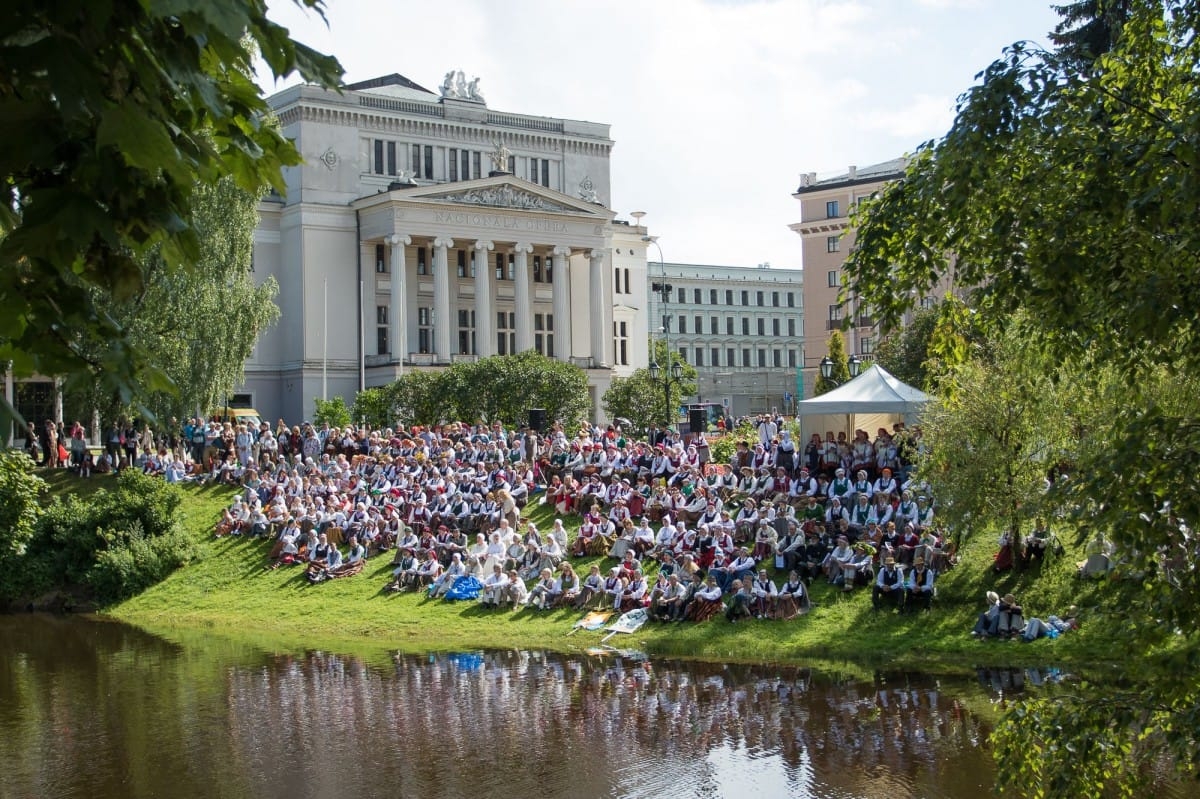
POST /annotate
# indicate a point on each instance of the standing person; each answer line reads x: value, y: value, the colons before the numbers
x: 51, y: 454
x: 78, y: 448
x: 129, y: 440
x: 31, y: 441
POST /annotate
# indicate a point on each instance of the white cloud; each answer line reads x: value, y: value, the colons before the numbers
x: 716, y: 107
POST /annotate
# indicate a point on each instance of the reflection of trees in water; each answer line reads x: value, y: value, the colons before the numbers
x: 548, y: 720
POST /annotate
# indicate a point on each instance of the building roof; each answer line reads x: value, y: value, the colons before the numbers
x: 886, y: 170
x: 394, y: 85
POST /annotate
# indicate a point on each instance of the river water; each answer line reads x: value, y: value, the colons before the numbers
x: 98, y: 709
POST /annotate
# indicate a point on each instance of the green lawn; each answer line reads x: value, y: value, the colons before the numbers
x: 230, y: 591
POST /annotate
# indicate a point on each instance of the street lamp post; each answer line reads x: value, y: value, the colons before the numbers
x: 854, y: 363
x: 667, y: 376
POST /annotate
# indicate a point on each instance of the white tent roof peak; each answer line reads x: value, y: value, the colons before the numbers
x: 876, y: 390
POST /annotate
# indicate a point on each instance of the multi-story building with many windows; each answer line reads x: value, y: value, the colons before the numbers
x: 425, y: 228
x: 742, y: 328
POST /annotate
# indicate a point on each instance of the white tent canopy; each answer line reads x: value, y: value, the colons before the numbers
x: 875, y: 393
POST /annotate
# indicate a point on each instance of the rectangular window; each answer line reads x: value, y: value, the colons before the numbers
x: 461, y: 255
x: 683, y: 354
x: 549, y: 269
x: 429, y: 162
x: 682, y: 323
x: 729, y: 296
x: 477, y: 164
x: 453, y: 174
x: 381, y: 265
x: 699, y: 357
x: 746, y: 356
x: 696, y: 296
x: 866, y: 346
x: 550, y: 338
x: 500, y: 266
x: 714, y: 324
x: 712, y: 296
x: 758, y: 298
x: 378, y: 157
x: 381, y: 329
x: 745, y: 326
x: 700, y: 325
x: 422, y: 264
x: 835, y: 313
x: 506, y: 336
x: 616, y: 280
x: 762, y: 359
x: 775, y: 298
x: 774, y: 327
x: 791, y: 326
x: 831, y: 209
x: 716, y: 356
x: 546, y: 173
x: 833, y: 244
x: 391, y: 158
x: 762, y: 327
x: 731, y: 357
x: 512, y: 165
x: 745, y: 298
x: 424, y: 330
x: 537, y: 269
x: 682, y: 296
x: 729, y: 325
x: 791, y: 300
x: 416, y: 160
x: 466, y: 332
x: 831, y: 279
x: 627, y: 284
x: 928, y: 302
x: 621, y: 342
x: 792, y: 359
x: 776, y: 358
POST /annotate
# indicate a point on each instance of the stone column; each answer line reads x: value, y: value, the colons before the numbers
x: 442, y: 323
x: 524, y: 307
x: 562, y: 304
x: 485, y: 309
x: 597, y: 303
x: 398, y: 338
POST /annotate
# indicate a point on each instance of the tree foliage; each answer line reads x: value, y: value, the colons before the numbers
x: 841, y: 365
x: 1069, y: 191
x: 333, y: 411
x: 500, y: 388
x: 202, y: 322
x: 114, y: 114
x: 19, y: 509
x: 904, y: 351
x: 643, y: 400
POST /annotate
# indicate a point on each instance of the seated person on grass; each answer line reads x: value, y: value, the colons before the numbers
x: 494, y: 586
x: 515, y: 590
x: 792, y: 598
x: 739, y: 602
x: 706, y: 601
x: 1052, y: 627
x: 889, y: 586
x: 918, y: 586
x: 763, y: 596
x: 545, y: 591
x: 593, y: 586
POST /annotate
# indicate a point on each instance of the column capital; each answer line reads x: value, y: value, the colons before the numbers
x: 522, y: 247
x: 483, y: 244
x: 561, y: 250
x: 396, y: 240
x: 595, y: 255
x: 442, y: 241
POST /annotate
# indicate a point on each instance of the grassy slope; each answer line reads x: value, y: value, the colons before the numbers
x: 229, y: 591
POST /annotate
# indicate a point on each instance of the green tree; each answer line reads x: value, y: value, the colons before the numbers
x: 203, y: 322
x: 19, y: 509
x: 836, y: 348
x: 374, y: 406
x: 333, y: 411
x: 643, y: 400
x: 1088, y: 30
x: 992, y: 444
x: 1069, y: 193
x: 114, y: 114
x: 904, y: 351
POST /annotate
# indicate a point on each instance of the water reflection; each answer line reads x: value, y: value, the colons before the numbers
x: 103, y: 710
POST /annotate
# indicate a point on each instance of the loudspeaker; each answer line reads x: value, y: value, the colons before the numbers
x: 537, y: 419
x: 697, y: 420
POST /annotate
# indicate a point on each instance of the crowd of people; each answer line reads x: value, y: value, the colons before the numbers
x: 689, y: 538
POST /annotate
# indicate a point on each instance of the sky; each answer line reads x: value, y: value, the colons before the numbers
x: 716, y: 107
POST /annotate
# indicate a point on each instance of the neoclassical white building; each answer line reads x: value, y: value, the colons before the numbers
x: 424, y: 228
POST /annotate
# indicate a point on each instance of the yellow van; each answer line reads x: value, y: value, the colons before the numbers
x: 247, y: 416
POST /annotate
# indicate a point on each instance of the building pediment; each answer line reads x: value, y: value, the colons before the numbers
x: 505, y: 192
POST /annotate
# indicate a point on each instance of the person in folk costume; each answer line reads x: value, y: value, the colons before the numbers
x: 840, y: 487
x: 763, y: 596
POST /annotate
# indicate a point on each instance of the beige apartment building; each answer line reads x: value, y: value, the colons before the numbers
x: 826, y: 239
